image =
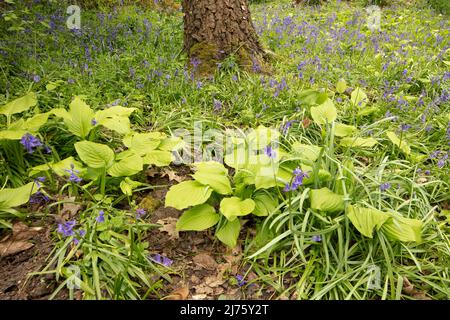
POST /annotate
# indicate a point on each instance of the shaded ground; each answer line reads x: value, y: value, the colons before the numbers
x: 15, y: 268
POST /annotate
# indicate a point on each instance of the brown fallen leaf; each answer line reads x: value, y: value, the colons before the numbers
x: 11, y: 247
x: 151, y: 172
x: 169, y: 226
x: 204, y: 260
x: 172, y: 175
x: 178, y: 294
x: 69, y: 209
x: 22, y: 232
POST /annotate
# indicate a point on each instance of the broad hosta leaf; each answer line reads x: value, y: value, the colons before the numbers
x: 213, y: 174
x: 115, y: 118
x: 19, y: 105
x: 265, y: 204
x: 312, y: 97
x: 95, y: 155
x: 324, y: 113
x: 59, y: 167
x: 403, y: 145
x: 79, y: 118
x: 126, y: 167
x: 403, y: 229
x: 127, y: 186
x: 358, y: 142
x: 187, y: 194
x: 341, y: 86
x: 236, y: 158
x: 344, y: 130
x: 306, y: 151
x: 323, y: 175
x: 12, y: 134
x: 261, y: 137
x: 366, y: 219
x: 229, y: 232
x: 15, y: 197
x: 234, y: 207
x: 142, y: 143
x: 198, y: 218
x: 171, y: 144
x: 326, y: 200
x: 358, y: 98
x: 158, y: 158
x: 34, y: 123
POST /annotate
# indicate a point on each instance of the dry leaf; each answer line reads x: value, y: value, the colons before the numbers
x: 172, y: 175
x: 205, y: 260
x: 199, y: 297
x: 11, y: 247
x: 69, y: 209
x: 178, y: 294
x: 151, y: 172
x: 169, y: 226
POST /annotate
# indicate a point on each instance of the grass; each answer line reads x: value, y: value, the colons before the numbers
x: 133, y: 56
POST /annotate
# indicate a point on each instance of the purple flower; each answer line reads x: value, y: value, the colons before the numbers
x: 66, y: 228
x: 286, y: 126
x: 101, y: 216
x: 30, y: 142
x: 36, y: 78
x: 161, y: 260
x: 38, y: 198
x: 47, y: 149
x: 270, y: 152
x: 73, y: 174
x: 94, y: 122
x: 38, y: 180
x: 70, y: 81
x: 316, y: 238
x: 140, y: 213
x: 240, y: 280
x: 385, y: 186
x: 405, y: 127
x: 217, y: 105
x: 299, y: 176
x: 82, y: 232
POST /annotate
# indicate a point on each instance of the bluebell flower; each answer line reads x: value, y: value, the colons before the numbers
x: 299, y: 176
x: 94, y: 122
x: 316, y: 238
x: 66, y: 228
x: 140, y: 213
x: 161, y: 260
x: 240, y: 280
x: 101, y: 216
x: 270, y: 152
x: 36, y: 78
x: 30, y: 142
x: 385, y: 186
x: 38, y: 198
x: 73, y: 174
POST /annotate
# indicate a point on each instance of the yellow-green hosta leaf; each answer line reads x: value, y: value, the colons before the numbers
x: 358, y: 98
x: 198, y: 218
x: 233, y: 207
x: 19, y: 105
x: 187, y: 194
x: 142, y: 143
x: 311, y: 97
x: 344, y: 130
x: 403, y: 229
x: 59, y: 167
x: 34, y: 123
x: 95, y: 155
x: 366, y: 219
x: 171, y: 144
x: 126, y: 167
x: 158, y: 158
x: 115, y: 118
x: 236, y: 158
x: 265, y: 204
x: 15, y: 197
x: 213, y: 174
x: 358, y: 142
x: 402, y: 144
x: 323, y: 175
x: 326, y: 200
x: 127, y: 186
x: 341, y: 86
x: 261, y: 137
x: 324, y: 113
x: 306, y: 151
x: 12, y: 134
x: 78, y: 119
x: 229, y: 232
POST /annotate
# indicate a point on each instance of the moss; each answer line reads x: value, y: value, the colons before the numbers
x: 208, y: 56
x: 252, y: 63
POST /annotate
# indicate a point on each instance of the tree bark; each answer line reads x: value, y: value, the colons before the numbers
x: 214, y: 29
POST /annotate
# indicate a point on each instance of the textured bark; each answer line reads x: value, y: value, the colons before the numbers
x: 213, y: 29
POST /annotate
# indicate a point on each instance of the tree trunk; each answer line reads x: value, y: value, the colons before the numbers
x: 214, y: 29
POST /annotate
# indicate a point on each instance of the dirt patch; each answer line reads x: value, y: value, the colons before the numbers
x: 14, y: 269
